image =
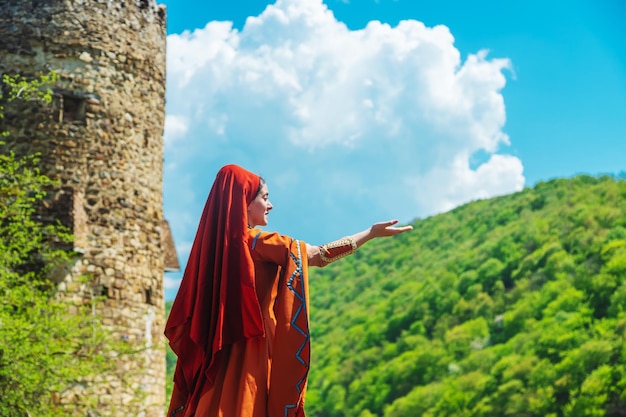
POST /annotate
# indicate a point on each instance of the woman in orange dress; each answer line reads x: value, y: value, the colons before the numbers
x: 240, y: 322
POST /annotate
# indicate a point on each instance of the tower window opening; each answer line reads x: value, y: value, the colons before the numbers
x: 70, y: 107
x: 148, y: 292
x: 104, y: 291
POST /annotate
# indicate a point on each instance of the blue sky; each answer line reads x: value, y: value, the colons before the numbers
x: 358, y: 111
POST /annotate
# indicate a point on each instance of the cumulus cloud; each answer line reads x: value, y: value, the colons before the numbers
x: 175, y: 128
x: 383, y: 116
x: 500, y: 175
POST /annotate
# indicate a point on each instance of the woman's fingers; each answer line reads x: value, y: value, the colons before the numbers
x: 387, y: 229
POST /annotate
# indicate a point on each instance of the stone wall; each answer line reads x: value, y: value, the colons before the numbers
x: 102, y: 139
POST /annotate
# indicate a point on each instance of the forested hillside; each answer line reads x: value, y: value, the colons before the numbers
x: 513, y: 306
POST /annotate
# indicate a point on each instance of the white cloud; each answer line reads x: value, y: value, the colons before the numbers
x: 380, y: 121
x: 501, y: 174
x: 175, y: 128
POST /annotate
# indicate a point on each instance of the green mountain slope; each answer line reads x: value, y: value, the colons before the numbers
x: 513, y: 306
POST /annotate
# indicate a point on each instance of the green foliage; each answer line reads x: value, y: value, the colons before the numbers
x: 25, y: 89
x: 513, y: 306
x: 50, y: 345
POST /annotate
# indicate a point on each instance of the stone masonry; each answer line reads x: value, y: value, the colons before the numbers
x: 102, y: 139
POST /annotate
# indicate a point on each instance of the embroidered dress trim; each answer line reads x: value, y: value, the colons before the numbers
x: 300, y: 323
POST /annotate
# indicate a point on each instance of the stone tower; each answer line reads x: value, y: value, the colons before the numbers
x: 102, y: 139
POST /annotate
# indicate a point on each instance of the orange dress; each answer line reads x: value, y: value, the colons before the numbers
x: 267, y: 376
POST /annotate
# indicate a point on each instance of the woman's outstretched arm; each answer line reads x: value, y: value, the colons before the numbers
x: 330, y: 252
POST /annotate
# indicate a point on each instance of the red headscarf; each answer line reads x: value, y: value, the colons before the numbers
x: 216, y: 304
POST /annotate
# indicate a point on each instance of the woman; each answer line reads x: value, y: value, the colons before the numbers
x: 239, y: 323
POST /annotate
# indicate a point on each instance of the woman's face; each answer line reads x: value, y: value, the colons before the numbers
x: 259, y: 208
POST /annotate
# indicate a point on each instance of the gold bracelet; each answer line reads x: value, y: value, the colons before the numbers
x: 338, y: 249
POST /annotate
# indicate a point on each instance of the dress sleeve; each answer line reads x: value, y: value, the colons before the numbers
x: 269, y: 247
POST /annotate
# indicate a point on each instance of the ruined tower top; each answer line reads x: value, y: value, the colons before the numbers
x: 121, y: 39
x: 131, y: 30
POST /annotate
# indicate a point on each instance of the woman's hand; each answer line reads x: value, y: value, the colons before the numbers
x: 384, y: 229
